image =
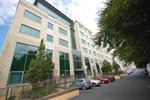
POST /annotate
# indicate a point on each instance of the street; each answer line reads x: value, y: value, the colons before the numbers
x: 135, y: 86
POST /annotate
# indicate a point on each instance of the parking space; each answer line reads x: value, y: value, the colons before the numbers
x: 133, y: 87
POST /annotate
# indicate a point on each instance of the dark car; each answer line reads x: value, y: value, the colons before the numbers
x: 82, y: 84
x: 109, y: 77
x: 102, y: 79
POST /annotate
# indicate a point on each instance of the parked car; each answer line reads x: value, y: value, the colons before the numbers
x: 129, y: 71
x: 82, y: 84
x: 102, y: 79
x: 109, y: 77
x: 95, y: 82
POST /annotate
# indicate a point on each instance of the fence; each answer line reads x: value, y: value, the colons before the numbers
x: 15, y: 92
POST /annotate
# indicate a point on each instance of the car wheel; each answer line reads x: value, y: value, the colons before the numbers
x: 94, y: 84
x: 83, y: 87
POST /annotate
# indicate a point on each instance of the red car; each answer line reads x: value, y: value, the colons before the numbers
x: 111, y: 78
x: 102, y: 79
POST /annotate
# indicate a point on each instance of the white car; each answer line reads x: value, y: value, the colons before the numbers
x: 95, y: 82
x: 129, y: 71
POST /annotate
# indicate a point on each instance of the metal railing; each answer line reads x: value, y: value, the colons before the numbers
x: 17, y: 91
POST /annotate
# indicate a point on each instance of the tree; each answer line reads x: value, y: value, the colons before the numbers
x: 116, y: 66
x: 124, y: 27
x: 106, y: 67
x: 39, y: 68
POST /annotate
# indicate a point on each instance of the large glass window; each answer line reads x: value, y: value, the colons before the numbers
x: 64, y: 64
x: 53, y: 14
x: 29, y: 31
x: 15, y: 77
x: 62, y: 31
x: 63, y: 42
x: 22, y: 57
x: 50, y: 26
x: 97, y: 66
x: 87, y: 63
x: 77, y: 62
x: 32, y: 16
x: 49, y: 38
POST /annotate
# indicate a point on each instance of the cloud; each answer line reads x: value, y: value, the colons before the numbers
x: 85, y: 11
x: 7, y: 10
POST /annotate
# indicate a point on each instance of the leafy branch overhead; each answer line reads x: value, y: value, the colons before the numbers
x: 125, y: 28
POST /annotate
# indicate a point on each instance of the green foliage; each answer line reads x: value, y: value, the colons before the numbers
x: 12, y: 98
x: 124, y: 27
x: 42, y: 91
x: 39, y: 68
x: 106, y: 67
x: 115, y: 73
x: 116, y: 66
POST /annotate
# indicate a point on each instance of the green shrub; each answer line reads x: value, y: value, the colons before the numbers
x: 39, y: 68
x: 106, y: 67
x: 116, y: 66
x: 39, y: 92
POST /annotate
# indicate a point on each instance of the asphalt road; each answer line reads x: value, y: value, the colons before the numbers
x: 135, y: 86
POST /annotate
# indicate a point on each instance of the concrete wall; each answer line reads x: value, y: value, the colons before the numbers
x: 15, y: 36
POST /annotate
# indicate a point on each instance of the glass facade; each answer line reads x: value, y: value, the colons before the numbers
x: 63, y: 42
x: 49, y: 38
x: 73, y: 39
x: 50, y: 26
x: 53, y: 14
x: 32, y: 16
x: 62, y: 31
x: 77, y: 62
x: 22, y: 57
x: 29, y: 31
x: 87, y: 63
x: 64, y: 64
x: 97, y: 66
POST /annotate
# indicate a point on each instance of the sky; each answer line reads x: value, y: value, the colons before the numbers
x: 85, y: 11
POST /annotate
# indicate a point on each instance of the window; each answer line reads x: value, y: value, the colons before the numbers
x: 90, y: 52
x: 48, y: 51
x: 77, y: 61
x: 88, y: 43
x: 82, y: 34
x: 63, y: 42
x: 21, y: 59
x: 97, y: 66
x: 64, y: 64
x: 53, y: 14
x: 32, y: 16
x: 94, y: 53
x: 49, y: 38
x: 83, y: 41
x: 15, y: 77
x: 85, y: 50
x: 29, y: 31
x: 86, y: 37
x: 50, y: 26
x: 80, y: 26
x: 62, y: 31
x: 87, y: 63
